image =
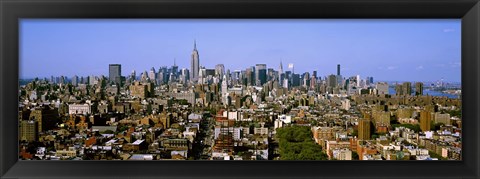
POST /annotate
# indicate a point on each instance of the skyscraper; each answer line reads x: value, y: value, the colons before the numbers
x: 175, y: 68
x: 338, y: 70
x: 419, y: 88
x: 407, y: 88
x: 195, y: 63
x: 152, y: 74
x: 224, y: 86
x: 184, y: 75
x: 295, y: 80
x: 219, y: 70
x: 75, y: 80
x: 249, y: 75
x: 115, y: 73
x: 133, y: 75
x: 280, y: 71
x: 332, y: 81
x: 261, y: 74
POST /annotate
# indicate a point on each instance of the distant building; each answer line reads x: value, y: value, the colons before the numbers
x: 152, y: 75
x: 115, y: 73
x: 295, y: 80
x: 219, y: 70
x: 338, y: 70
x: 419, y: 88
x: 260, y: 74
x: 75, y: 80
x: 407, y: 88
x: 332, y: 81
x: 195, y: 63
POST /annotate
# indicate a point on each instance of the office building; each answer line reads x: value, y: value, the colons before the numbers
x: 407, y: 88
x: 425, y: 120
x: 28, y: 130
x: 195, y: 63
x: 418, y: 88
x: 338, y: 70
x: 260, y: 74
x: 175, y: 68
x: 219, y: 70
x: 152, y: 75
x: 75, y: 80
x: 332, y: 81
x: 364, y: 129
x: 115, y: 73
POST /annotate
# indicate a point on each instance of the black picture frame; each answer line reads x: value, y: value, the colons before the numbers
x: 12, y: 10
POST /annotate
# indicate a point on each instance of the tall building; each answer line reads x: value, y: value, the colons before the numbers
x: 92, y: 80
x: 407, y: 88
x: 219, y: 70
x: 306, y: 79
x: 332, y: 81
x: 184, y: 75
x: 358, y: 80
x: 133, y: 76
x: 175, y: 68
x: 313, y: 82
x: 364, y: 129
x: 28, y: 130
x: 418, y: 88
x: 260, y: 74
x: 45, y: 117
x: 398, y: 90
x: 75, y: 80
x: 338, y: 70
x: 249, y: 75
x: 280, y: 71
x: 425, y: 120
x: 295, y: 80
x: 224, y: 86
x: 115, y: 73
x: 195, y: 63
x: 152, y: 75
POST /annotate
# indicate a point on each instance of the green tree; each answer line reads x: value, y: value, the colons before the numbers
x: 295, y: 143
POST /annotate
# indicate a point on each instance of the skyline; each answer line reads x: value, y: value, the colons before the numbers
x: 430, y: 49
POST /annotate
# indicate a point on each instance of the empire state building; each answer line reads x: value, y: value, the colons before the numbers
x: 194, y: 63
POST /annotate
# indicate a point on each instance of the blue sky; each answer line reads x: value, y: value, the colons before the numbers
x: 403, y: 50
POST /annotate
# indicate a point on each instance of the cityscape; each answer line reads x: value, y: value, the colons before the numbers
x: 261, y: 112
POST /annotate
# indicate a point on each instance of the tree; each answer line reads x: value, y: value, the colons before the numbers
x: 296, y: 143
x: 108, y: 132
x: 355, y: 156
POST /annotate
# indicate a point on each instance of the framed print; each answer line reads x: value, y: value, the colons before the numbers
x: 239, y: 89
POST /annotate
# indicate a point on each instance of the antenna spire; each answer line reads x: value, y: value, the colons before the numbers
x: 195, y: 44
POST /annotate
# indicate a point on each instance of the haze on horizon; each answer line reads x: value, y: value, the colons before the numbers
x: 388, y: 50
